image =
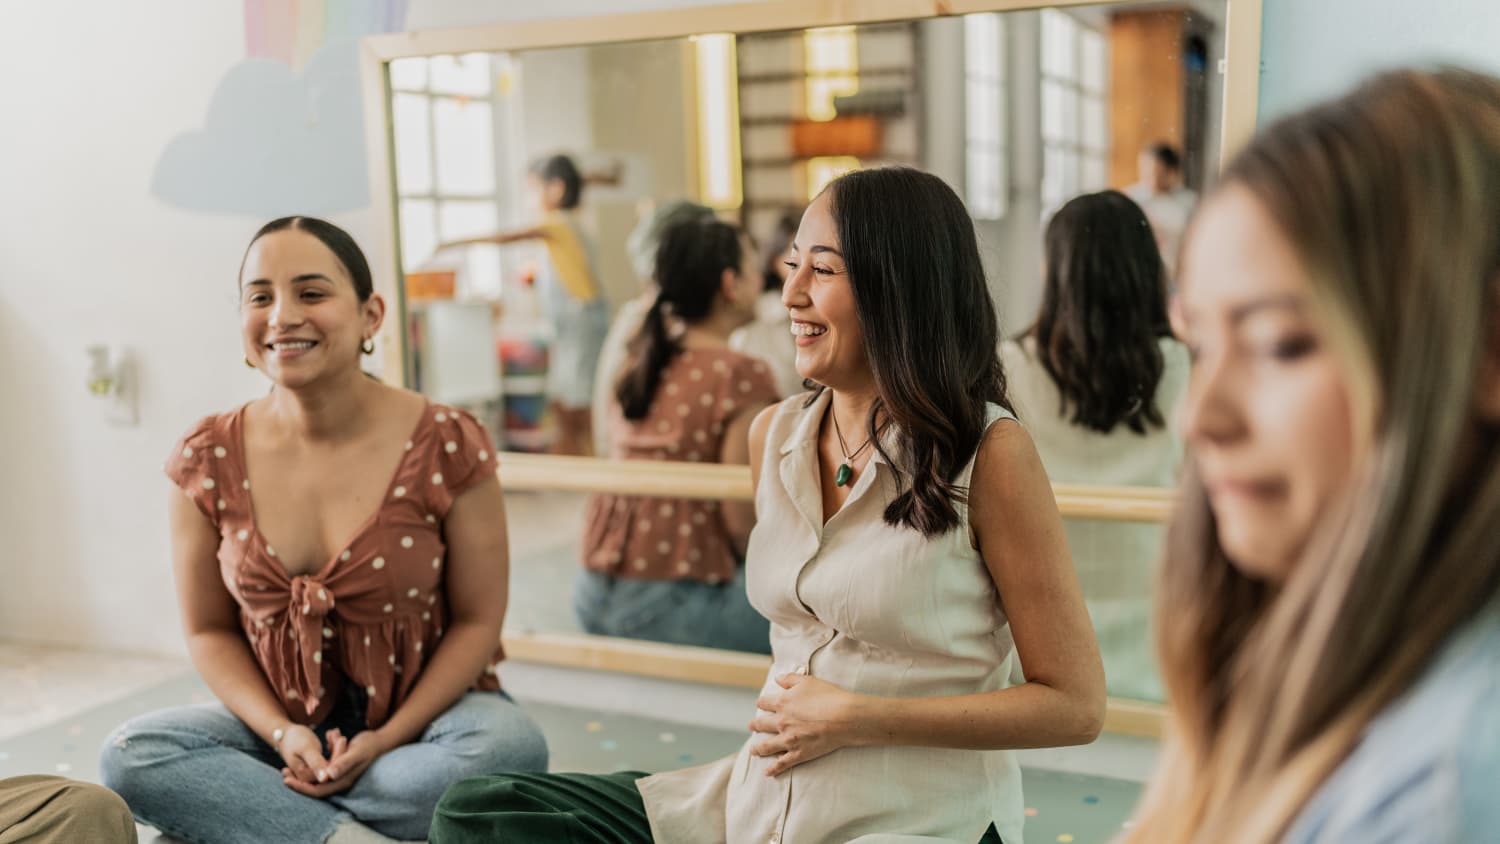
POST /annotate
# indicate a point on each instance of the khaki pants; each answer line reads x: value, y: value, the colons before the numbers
x: 52, y: 810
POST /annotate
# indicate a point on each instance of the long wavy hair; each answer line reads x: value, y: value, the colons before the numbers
x: 1104, y: 314
x: 930, y: 332
x: 1390, y: 197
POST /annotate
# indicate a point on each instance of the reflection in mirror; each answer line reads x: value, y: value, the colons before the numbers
x: 524, y: 288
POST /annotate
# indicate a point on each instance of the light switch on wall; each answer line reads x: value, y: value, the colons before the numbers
x: 111, y: 381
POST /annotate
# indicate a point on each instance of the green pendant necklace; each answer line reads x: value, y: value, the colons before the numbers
x: 845, y: 472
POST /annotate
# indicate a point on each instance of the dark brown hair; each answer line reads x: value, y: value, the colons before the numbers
x: 1103, y: 314
x: 338, y: 242
x: 690, y: 263
x: 930, y: 332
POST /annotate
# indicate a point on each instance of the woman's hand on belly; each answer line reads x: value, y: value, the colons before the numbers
x: 809, y: 719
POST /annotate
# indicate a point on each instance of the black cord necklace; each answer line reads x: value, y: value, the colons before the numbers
x: 845, y: 472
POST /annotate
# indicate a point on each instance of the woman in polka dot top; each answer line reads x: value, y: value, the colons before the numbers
x: 341, y: 559
x: 669, y: 569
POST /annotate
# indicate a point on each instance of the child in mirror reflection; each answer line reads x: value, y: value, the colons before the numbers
x: 571, y: 291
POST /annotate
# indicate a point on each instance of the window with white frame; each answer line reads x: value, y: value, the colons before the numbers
x: 1075, y: 119
x: 986, y: 174
x: 443, y: 120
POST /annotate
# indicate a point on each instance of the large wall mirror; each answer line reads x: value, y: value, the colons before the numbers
x: 749, y: 109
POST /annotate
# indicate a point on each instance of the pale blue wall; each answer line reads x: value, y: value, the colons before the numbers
x: 1312, y: 49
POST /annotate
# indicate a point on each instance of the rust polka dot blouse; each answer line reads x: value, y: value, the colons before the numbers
x: 374, y: 613
x: 701, y: 391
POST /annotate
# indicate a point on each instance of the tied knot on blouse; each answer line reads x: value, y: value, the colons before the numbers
x: 311, y: 602
x: 374, y: 613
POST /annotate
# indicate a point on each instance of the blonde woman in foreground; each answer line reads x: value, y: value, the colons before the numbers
x: 1328, y: 625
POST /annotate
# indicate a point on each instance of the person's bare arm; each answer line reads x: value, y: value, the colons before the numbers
x: 217, y: 645
x: 501, y: 237
x: 477, y: 584
x: 743, y: 443
x: 1018, y: 531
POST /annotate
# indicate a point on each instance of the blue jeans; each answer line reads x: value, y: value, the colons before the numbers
x: 679, y: 612
x: 199, y: 774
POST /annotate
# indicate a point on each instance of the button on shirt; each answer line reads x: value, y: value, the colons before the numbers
x: 873, y: 609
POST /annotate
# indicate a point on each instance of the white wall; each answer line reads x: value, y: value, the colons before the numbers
x: 91, y: 96
x: 1316, y: 49
x: 87, y: 255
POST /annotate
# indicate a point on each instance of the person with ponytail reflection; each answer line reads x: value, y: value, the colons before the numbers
x: 670, y: 569
x: 1328, y: 609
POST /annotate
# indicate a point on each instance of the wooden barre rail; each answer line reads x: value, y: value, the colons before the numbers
x: 714, y: 481
x: 731, y: 668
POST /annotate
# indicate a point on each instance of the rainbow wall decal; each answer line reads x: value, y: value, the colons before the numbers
x: 291, y: 31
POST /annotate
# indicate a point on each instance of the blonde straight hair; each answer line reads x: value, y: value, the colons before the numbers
x: 1390, y: 197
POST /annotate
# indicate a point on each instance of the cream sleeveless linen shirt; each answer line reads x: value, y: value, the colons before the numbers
x: 874, y: 609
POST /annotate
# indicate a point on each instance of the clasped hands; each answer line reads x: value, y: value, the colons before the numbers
x: 309, y: 772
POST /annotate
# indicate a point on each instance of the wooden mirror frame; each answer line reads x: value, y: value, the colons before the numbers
x: 1241, y: 81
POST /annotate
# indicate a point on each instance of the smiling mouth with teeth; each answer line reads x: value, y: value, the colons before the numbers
x: 802, y: 329
x: 292, y: 346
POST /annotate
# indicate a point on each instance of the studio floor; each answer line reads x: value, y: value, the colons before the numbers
x: 58, y: 705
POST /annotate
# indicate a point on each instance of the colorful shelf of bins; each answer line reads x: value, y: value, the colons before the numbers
x: 523, y: 360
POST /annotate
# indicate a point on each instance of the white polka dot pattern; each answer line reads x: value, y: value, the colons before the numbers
x: 701, y: 391
x: 206, y: 464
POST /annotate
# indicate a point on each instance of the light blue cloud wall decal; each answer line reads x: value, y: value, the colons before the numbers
x: 275, y: 141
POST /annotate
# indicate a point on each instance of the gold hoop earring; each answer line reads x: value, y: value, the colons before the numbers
x: 249, y: 364
x: 368, y: 347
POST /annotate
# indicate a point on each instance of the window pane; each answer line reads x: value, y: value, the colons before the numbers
x: 1059, y: 44
x: 1067, y: 100
x: 1095, y: 61
x: 982, y: 112
x: 468, y: 74
x: 418, y: 232
x: 1095, y: 125
x: 1052, y: 112
x: 460, y: 218
x: 1052, y: 178
x: 985, y: 186
x: 465, y: 148
x: 409, y: 74
x: 983, y: 48
x: 412, y: 128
